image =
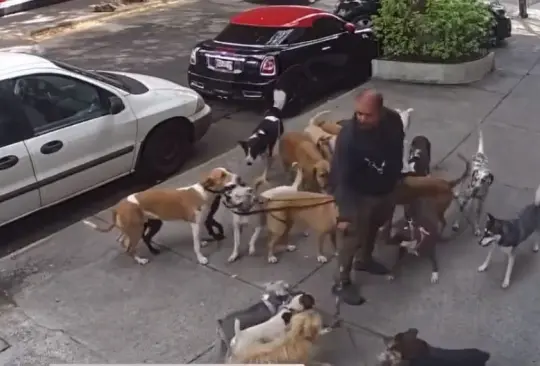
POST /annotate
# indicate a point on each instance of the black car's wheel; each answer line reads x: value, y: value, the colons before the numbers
x: 362, y: 21
x: 298, y: 97
x: 165, y: 149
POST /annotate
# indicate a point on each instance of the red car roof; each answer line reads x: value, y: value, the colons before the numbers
x: 279, y: 16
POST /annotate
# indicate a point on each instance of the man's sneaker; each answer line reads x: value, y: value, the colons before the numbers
x: 348, y: 293
x: 372, y: 267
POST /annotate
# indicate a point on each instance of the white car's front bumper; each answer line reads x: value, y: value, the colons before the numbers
x: 201, y: 122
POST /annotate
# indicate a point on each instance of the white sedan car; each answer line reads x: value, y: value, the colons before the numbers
x: 66, y: 130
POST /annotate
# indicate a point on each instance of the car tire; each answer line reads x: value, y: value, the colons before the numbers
x: 165, y: 150
x: 298, y: 98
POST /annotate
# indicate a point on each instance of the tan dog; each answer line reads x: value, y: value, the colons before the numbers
x: 314, y: 210
x: 298, y: 147
x: 188, y: 204
x: 326, y: 142
x: 295, y: 347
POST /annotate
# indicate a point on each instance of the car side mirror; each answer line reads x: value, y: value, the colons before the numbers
x: 349, y: 27
x: 115, y: 105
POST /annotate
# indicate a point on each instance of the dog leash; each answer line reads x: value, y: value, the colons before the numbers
x: 254, y: 212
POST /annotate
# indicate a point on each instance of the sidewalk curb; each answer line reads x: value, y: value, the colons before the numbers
x: 89, y: 21
x: 28, y: 5
x: 209, y: 162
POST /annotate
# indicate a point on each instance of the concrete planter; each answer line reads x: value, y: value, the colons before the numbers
x: 427, y: 73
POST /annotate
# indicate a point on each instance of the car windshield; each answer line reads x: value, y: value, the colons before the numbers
x: 250, y: 35
x: 116, y: 82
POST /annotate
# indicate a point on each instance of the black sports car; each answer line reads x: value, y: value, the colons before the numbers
x: 359, y: 13
x: 305, y: 50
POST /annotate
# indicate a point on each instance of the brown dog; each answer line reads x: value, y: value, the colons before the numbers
x: 189, y: 204
x: 298, y: 147
x: 326, y: 142
x: 314, y: 210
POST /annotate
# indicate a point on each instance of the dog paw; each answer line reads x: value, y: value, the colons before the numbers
x: 272, y: 259
x: 482, y: 268
x: 477, y: 232
x: 291, y: 248
x: 455, y: 227
x: 435, y: 277
x: 322, y: 259
x: 325, y: 331
x: 251, y: 251
x: 390, y: 277
x: 232, y: 257
x: 305, y: 234
x: 204, y: 243
x: 505, y: 284
x: 141, y: 261
x: 536, y: 247
x: 202, y: 260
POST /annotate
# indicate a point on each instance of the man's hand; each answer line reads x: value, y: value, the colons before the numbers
x: 343, y: 225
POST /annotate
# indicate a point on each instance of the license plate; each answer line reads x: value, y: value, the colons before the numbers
x: 224, y: 64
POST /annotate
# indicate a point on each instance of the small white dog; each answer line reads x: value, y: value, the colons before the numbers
x: 271, y: 329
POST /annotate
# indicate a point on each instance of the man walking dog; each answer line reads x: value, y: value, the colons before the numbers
x: 364, y: 171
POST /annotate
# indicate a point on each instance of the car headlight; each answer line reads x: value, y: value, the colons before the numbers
x: 200, y: 104
x: 193, y: 56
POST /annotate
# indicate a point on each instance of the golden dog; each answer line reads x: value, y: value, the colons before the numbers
x: 298, y: 147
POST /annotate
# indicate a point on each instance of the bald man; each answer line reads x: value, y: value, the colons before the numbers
x: 365, y: 169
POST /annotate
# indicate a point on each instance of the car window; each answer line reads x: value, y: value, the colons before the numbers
x: 250, y: 35
x: 326, y: 26
x: 55, y: 101
x: 13, y: 124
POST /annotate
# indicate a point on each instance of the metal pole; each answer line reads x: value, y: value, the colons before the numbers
x: 523, y: 9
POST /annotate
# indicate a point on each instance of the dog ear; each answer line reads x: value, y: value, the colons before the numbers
x: 243, y: 145
x: 208, y: 183
x: 490, y: 178
x: 412, y: 332
x: 307, y: 301
x: 286, y: 316
x: 490, y: 217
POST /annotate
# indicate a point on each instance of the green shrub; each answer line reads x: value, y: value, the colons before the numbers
x: 434, y: 31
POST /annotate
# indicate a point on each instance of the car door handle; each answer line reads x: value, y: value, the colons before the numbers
x: 51, y: 147
x: 326, y: 48
x: 8, y: 161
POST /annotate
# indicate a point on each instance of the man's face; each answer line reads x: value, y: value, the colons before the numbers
x: 367, y: 113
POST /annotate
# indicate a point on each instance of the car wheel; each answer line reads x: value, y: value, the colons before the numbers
x: 165, y: 149
x: 362, y: 21
x: 297, y: 99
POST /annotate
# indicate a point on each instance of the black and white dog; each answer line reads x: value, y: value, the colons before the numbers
x: 508, y: 234
x: 420, y: 156
x: 478, y: 188
x: 266, y: 134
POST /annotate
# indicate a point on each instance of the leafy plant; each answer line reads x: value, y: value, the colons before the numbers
x: 432, y: 30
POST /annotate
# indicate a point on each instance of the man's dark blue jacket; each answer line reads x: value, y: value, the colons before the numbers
x: 366, y: 162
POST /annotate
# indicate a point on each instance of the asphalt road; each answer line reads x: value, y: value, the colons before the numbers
x: 159, y: 44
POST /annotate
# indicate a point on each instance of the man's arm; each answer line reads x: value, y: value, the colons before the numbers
x: 340, y: 174
x: 394, y: 146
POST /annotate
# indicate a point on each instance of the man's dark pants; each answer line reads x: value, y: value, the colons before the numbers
x: 358, y: 241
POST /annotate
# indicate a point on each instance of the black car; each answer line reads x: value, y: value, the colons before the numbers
x: 359, y: 12
x: 306, y: 49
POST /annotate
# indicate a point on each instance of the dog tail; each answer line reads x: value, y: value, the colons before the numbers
x: 537, y: 197
x: 467, y: 171
x: 316, y: 120
x: 280, y: 98
x: 236, y: 326
x: 405, y: 117
x: 480, y: 142
x: 299, y: 175
x: 102, y: 229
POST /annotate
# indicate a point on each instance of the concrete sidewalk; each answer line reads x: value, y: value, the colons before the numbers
x: 75, y: 297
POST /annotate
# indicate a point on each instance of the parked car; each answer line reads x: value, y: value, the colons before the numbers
x: 359, y: 12
x: 313, y: 47
x: 65, y: 130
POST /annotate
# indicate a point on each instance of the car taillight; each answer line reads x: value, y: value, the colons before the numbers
x: 193, y: 56
x: 268, y: 66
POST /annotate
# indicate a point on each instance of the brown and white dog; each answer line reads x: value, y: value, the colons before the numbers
x: 132, y: 214
x: 298, y: 147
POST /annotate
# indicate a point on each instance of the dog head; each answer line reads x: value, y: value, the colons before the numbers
x: 481, y: 178
x: 321, y: 173
x: 493, y: 233
x: 218, y: 179
x: 406, y: 345
x: 306, y: 325
x: 241, y: 198
x: 301, y: 302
